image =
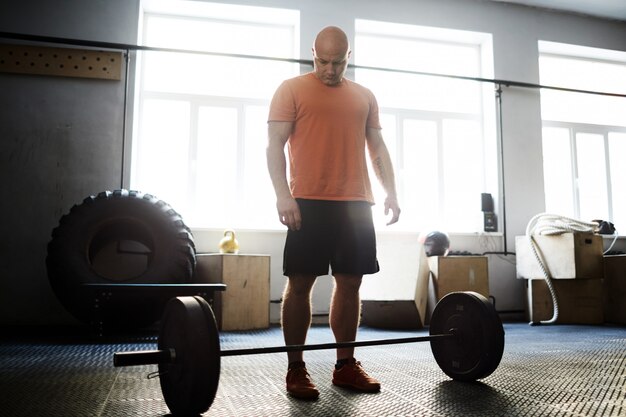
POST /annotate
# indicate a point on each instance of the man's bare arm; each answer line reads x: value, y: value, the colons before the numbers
x: 288, y: 210
x: 381, y: 161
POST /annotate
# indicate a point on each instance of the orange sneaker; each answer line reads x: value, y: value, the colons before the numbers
x: 299, y: 384
x: 353, y: 376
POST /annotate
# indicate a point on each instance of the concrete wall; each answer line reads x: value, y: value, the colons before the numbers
x: 60, y: 141
x: 61, y: 138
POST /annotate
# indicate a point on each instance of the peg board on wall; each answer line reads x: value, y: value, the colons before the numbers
x: 64, y: 62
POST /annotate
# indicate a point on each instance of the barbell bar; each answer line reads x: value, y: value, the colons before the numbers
x: 466, y: 337
x: 154, y: 357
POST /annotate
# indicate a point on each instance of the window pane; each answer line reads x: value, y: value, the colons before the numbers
x: 583, y: 74
x: 163, y: 151
x: 593, y: 69
x: 216, y: 75
x: 259, y: 206
x: 617, y: 150
x: 217, y: 35
x: 592, y: 189
x: 211, y: 75
x: 443, y: 57
x: 216, y: 168
x: 220, y: 171
x: 419, y: 92
x: 557, y: 171
x: 440, y: 119
x: 420, y: 175
x: 463, y: 174
x: 410, y: 91
x: 582, y: 108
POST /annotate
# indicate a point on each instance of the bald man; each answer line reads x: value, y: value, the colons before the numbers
x: 328, y: 122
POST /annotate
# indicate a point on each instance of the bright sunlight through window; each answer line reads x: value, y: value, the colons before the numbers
x: 201, y: 119
x: 584, y: 135
x: 439, y: 131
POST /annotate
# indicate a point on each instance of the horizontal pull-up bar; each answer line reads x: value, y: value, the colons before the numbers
x: 132, y: 47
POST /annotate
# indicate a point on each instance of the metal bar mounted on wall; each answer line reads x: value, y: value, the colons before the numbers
x: 132, y: 47
x: 500, y: 135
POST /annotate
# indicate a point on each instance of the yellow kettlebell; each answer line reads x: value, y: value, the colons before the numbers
x: 229, y: 243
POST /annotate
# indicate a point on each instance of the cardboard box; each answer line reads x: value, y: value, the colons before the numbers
x: 580, y: 301
x: 615, y: 289
x: 567, y: 256
x: 398, y: 306
x: 245, y: 305
x: 459, y: 273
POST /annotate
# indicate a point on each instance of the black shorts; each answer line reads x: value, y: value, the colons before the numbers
x: 336, y: 233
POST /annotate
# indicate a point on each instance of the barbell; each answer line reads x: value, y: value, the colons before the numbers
x: 466, y: 337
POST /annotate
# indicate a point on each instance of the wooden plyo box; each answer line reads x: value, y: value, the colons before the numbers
x: 567, y: 256
x: 456, y: 273
x: 580, y: 301
x: 399, y: 306
x: 245, y: 305
x: 615, y: 289
x: 459, y: 273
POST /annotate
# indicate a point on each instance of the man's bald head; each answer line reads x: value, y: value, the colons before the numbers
x: 331, y: 52
x: 331, y: 39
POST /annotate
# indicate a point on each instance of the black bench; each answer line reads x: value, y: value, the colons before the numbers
x: 104, y: 296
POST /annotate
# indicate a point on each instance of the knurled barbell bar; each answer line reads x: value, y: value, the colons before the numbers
x: 466, y: 337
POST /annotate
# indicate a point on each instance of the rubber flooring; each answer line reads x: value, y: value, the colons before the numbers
x: 549, y: 370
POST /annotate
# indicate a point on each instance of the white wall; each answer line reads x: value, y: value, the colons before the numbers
x: 515, y: 31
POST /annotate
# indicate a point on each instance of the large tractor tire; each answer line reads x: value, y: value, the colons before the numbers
x: 119, y: 237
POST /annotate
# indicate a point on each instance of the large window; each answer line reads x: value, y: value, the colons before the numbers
x: 201, y: 120
x: 439, y: 130
x: 200, y: 128
x: 584, y: 135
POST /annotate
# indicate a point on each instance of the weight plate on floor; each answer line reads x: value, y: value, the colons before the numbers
x: 476, y: 351
x: 190, y: 382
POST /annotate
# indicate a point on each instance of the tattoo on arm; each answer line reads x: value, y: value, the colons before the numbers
x: 380, y: 170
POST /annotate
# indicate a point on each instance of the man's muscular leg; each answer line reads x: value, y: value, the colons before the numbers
x: 296, y: 319
x: 345, y: 311
x: 296, y: 312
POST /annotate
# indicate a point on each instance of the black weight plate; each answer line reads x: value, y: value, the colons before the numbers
x: 190, y: 382
x: 477, y: 350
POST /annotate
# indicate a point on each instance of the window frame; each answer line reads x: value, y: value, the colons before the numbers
x: 195, y: 101
x: 587, y: 55
x: 485, y: 116
x: 585, y: 128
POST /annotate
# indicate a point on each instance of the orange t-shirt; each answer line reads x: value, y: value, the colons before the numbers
x: 327, y: 144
